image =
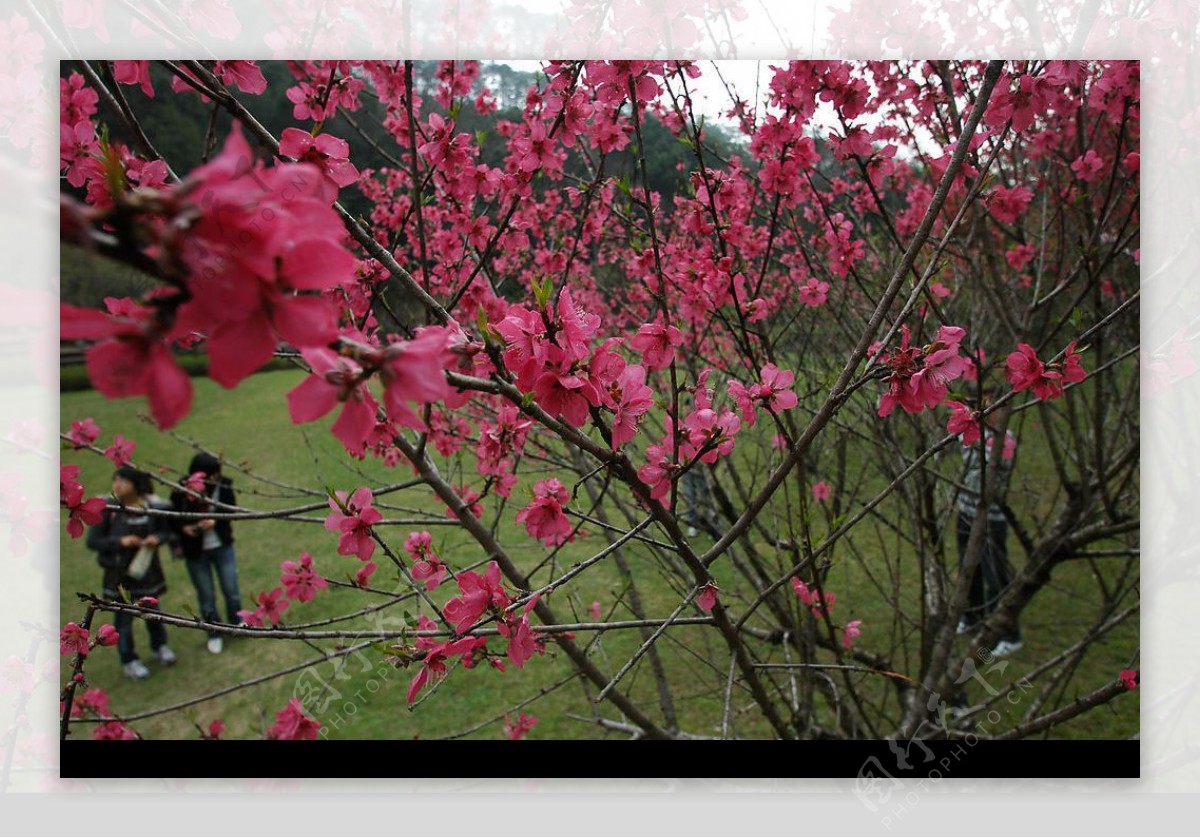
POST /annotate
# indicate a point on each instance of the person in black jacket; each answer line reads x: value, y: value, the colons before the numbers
x: 207, y: 544
x: 126, y: 542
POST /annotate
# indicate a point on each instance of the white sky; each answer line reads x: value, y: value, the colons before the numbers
x: 709, y: 96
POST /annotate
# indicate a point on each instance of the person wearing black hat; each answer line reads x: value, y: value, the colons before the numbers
x: 126, y: 542
x: 207, y: 543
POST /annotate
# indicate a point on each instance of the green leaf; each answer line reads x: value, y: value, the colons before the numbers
x: 1077, y: 318
x: 542, y: 291
x: 481, y: 323
x: 480, y: 137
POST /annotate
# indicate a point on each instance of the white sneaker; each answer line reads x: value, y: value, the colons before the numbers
x: 692, y: 532
x: 1007, y: 647
x: 136, y: 670
x: 165, y: 656
x: 215, y: 645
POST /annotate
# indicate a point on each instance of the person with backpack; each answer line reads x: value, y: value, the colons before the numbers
x: 126, y: 542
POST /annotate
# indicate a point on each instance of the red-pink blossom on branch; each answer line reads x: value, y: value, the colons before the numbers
x: 469, y: 650
x: 852, y: 630
x: 1088, y: 166
x: 134, y: 72
x: 83, y: 432
x: 94, y: 701
x: 1022, y: 105
x: 657, y: 343
x: 413, y: 371
x: 328, y: 153
x: 114, y: 731
x: 543, y: 517
x: 244, y: 75
x: 1025, y: 370
x: 121, y: 450
x: 335, y: 379
x: 963, y: 422
x: 107, y: 635
x: 820, y: 491
x: 517, y: 729
x: 299, y: 580
x: 271, y: 606
x: 79, y: 152
x: 76, y: 101
x: 73, y: 639
x: 1130, y: 678
x: 813, y: 292
x: 1073, y: 371
x: 82, y: 513
x: 267, y: 242
x: 130, y: 359
x: 479, y: 595
x: 661, y: 468
x: 821, y: 602
x: 523, y: 641
x: 919, y: 376
x: 353, y: 517
x: 630, y: 399
x: 427, y: 567
x: 1020, y: 256
x: 774, y: 389
x: 362, y: 577
x: 707, y: 598
x: 1006, y: 204
x: 292, y: 723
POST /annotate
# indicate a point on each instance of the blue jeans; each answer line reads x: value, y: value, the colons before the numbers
x: 224, y: 562
x: 695, y: 491
x: 123, y: 623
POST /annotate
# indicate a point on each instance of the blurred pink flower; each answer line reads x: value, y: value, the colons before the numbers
x: 852, y: 630
x: 515, y: 730
x: 292, y: 723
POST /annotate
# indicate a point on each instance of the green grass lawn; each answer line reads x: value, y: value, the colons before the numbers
x: 366, y: 698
